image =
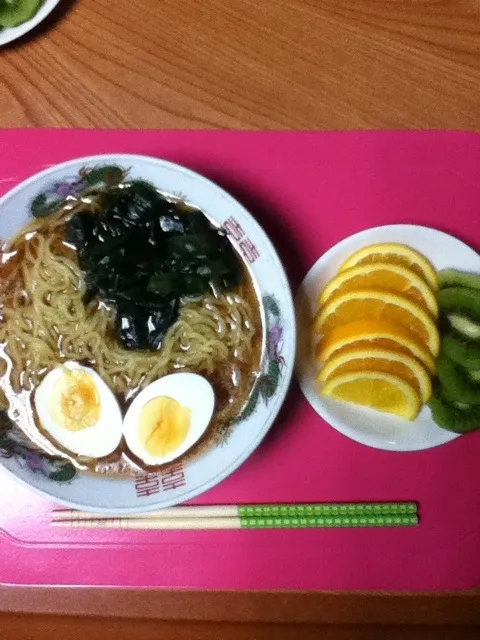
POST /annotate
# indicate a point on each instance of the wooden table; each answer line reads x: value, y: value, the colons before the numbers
x: 294, y: 64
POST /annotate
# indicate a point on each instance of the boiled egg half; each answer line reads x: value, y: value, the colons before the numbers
x: 168, y: 417
x: 77, y: 409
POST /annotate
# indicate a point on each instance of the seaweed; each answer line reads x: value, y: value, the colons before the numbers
x: 143, y: 254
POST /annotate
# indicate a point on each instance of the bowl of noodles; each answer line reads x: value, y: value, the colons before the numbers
x: 147, y: 333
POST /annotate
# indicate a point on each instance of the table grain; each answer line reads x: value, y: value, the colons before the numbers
x: 263, y: 64
x: 244, y: 64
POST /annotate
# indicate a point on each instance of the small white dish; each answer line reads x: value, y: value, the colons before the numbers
x: 9, y: 34
x: 369, y: 427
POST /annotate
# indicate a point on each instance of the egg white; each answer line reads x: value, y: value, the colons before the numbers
x: 96, y: 441
x: 188, y: 389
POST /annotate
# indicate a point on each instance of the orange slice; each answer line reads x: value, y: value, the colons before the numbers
x: 398, y: 364
x: 368, y: 304
x: 371, y: 334
x: 381, y: 391
x: 398, y: 254
x: 385, y: 277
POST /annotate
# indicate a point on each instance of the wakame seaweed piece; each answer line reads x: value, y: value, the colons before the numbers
x: 193, y: 284
x: 120, y: 282
x: 171, y: 223
x: 114, y: 248
x: 226, y: 269
x: 208, y: 255
x: 110, y: 266
x: 80, y: 231
x: 226, y: 280
x: 195, y: 220
x: 93, y: 238
x: 218, y: 269
x: 124, y: 210
x: 140, y: 327
x: 178, y: 284
x: 136, y: 213
x: 130, y: 205
x: 164, y: 284
x: 89, y: 295
x: 143, y: 253
x: 201, y: 248
x: 106, y: 279
x: 201, y: 245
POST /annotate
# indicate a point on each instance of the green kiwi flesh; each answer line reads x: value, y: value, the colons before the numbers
x: 455, y: 402
x: 16, y: 12
x: 460, y: 301
x: 453, y: 278
x: 461, y: 350
x: 457, y: 385
x: 450, y: 416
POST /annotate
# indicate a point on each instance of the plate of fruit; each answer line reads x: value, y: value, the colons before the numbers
x: 389, y: 337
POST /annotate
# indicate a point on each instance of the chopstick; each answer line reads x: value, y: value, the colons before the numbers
x: 282, y: 516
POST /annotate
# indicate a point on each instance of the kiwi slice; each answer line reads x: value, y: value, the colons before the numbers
x: 461, y: 301
x: 452, y: 417
x: 16, y: 12
x: 457, y: 385
x: 474, y: 375
x: 453, y: 278
x: 466, y: 326
x: 461, y: 350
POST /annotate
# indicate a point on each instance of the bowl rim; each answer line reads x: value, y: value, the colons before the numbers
x: 287, y: 377
x: 10, y: 34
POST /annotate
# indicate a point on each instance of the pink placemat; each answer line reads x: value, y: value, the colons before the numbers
x: 309, y: 190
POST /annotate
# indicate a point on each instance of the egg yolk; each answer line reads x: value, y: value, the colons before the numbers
x: 163, y: 425
x: 75, y: 403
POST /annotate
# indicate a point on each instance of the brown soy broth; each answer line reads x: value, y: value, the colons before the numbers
x: 232, y: 381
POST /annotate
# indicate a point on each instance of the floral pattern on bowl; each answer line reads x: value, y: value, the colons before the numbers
x: 14, y: 445
x: 86, y: 181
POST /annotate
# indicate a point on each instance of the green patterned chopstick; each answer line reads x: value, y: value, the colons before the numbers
x: 328, y: 509
x: 265, y: 516
x: 387, y: 514
x: 341, y: 522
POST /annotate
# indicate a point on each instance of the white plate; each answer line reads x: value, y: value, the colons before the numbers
x: 154, y: 491
x: 9, y: 34
x: 375, y: 429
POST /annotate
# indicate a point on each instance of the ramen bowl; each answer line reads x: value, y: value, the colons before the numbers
x: 145, y: 488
